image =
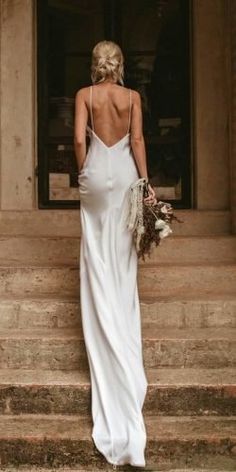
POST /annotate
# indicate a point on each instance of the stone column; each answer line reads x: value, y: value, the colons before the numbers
x: 17, y: 113
x: 232, y: 24
x: 211, y: 104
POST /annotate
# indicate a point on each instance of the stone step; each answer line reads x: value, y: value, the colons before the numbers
x: 65, y: 441
x: 89, y: 469
x: 200, y: 312
x: 67, y: 222
x: 170, y: 392
x: 163, y: 347
x: 184, y: 278
x: 18, y: 250
x: 168, y: 279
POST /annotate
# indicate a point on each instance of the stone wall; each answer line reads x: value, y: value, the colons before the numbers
x: 232, y: 22
x: 210, y: 105
x: 17, y: 113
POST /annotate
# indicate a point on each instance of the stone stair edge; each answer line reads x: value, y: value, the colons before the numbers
x: 144, y: 299
x: 80, y: 426
x: 5, y: 236
x: 62, y: 469
x: 18, y: 222
x: 178, y: 377
x: 33, y: 468
x: 171, y: 279
x: 72, y: 211
x: 146, y: 264
x: 149, y: 331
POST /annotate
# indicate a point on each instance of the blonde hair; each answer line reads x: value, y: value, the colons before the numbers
x: 107, y: 62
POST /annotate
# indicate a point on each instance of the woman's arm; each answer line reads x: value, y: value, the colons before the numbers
x: 81, y: 117
x: 138, y: 143
x: 137, y: 139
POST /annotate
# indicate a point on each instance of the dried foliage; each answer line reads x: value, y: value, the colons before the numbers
x: 156, y: 220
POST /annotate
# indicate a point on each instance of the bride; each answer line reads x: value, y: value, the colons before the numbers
x: 111, y: 114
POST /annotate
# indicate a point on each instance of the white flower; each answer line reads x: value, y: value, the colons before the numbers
x: 165, y: 231
x: 166, y: 209
x: 159, y: 224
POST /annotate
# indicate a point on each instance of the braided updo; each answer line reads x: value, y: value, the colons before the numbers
x: 107, y: 62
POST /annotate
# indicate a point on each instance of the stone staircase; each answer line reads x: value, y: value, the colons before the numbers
x: 188, y: 303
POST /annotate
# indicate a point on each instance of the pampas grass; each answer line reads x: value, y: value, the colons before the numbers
x: 149, y: 223
x: 156, y: 221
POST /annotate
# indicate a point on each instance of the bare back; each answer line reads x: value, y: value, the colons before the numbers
x: 113, y: 112
x: 109, y: 111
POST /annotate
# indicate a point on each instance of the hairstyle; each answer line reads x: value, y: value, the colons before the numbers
x: 107, y: 62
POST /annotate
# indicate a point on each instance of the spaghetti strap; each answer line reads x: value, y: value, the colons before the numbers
x: 129, y: 111
x: 91, y: 109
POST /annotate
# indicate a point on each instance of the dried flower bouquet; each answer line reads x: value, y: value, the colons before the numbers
x: 148, y: 223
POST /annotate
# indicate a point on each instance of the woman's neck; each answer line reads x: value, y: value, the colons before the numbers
x: 109, y: 81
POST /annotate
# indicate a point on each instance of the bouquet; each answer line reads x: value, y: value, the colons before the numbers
x: 148, y: 223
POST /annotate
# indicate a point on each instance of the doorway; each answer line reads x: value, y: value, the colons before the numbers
x: 155, y: 38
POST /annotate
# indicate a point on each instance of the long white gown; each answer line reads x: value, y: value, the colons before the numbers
x: 110, y: 302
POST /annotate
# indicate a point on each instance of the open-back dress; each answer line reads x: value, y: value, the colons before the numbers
x: 109, y: 299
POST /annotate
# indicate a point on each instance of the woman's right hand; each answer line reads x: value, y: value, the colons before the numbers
x: 151, y: 199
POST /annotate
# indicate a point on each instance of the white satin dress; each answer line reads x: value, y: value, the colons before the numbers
x: 109, y: 301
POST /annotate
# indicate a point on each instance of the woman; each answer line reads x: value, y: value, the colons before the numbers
x: 108, y: 260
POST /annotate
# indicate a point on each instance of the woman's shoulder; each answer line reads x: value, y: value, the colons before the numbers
x: 134, y: 93
x: 128, y: 88
x: 136, y: 97
x: 82, y: 96
x: 82, y: 92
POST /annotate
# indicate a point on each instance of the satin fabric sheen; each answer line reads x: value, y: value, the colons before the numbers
x: 110, y: 303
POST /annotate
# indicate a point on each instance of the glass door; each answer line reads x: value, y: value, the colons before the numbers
x: 155, y: 38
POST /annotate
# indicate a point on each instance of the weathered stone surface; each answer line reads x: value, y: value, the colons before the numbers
x: 159, y: 280
x: 170, y: 392
x: 189, y: 346
x: 67, y: 222
x: 202, y: 312
x: 210, y: 30
x: 44, y: 280
x: 53, y: 349
x: 174, y: 280
x: 40, y: 313
x: 58, y: 250
x: 182, y: 352
x: 64, y: 349
x: 17, y: 113
x: 205, y: 310
x: 57, y: 441
x: 89, y: 469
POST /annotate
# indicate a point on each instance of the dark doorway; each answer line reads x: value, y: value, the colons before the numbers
x: 155, y: 38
